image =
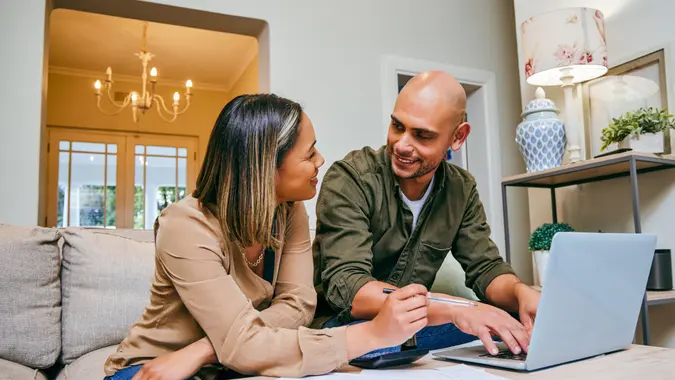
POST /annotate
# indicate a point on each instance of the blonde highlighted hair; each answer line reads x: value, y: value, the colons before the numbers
x: 247, y: 144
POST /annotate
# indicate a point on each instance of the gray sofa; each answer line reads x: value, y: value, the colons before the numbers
x: 68, y: 297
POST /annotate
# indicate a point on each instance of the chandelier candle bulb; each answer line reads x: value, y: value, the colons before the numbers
x: 97, y: 86
x: 188, y: 86
x: 176, y: 98
x: 134, y: 98
x: 108, y: 72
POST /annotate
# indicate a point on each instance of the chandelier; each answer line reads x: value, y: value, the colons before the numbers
x: 144, y: 100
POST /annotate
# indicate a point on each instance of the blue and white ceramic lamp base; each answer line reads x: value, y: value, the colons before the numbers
x: 541, y: 135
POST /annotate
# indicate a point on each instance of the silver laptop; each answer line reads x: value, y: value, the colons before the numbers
x: 589, y: 306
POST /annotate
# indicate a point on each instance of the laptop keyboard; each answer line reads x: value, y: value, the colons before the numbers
x: 507, y: 354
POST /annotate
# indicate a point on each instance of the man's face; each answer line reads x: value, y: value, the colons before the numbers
x: 420, y: 133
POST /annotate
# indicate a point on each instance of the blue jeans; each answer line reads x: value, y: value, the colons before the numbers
x: 429, y: 338
x: 125, y: 373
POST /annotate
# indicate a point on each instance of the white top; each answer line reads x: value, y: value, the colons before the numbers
x: 416, y: 206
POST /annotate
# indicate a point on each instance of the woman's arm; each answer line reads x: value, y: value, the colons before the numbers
x: 188, y: 250
x: 294, y: 301
x: 292, y: 306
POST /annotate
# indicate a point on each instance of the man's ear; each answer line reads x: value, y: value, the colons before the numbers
x: 460, y: 135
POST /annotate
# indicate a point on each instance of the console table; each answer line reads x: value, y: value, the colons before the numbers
x: 628, y: 164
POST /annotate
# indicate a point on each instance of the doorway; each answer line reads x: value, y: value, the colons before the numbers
x: 480, y: 154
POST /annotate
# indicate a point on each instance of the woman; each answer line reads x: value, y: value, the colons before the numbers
x: 233, y: 264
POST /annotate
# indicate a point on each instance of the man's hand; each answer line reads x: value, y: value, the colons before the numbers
x: 528, y: 302
x: 485, y: 321
x: 178, y: 365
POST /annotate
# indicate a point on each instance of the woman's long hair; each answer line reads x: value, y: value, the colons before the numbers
x: 250, y: 138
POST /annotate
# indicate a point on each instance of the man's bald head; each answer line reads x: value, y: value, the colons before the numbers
x: 427, y: 120
x: 436, y: 91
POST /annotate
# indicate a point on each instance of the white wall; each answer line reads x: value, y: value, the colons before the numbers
x: 22, y: 39
x: 328, y: 56
x: 634, y: 28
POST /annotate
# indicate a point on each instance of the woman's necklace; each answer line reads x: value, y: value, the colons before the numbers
x: 257, y: 262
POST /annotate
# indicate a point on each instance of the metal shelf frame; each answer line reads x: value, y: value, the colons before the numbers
x: 600, y: 169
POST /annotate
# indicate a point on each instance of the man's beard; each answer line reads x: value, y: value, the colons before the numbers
x: 424, y: 169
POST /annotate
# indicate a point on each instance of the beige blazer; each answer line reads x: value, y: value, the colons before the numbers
x: 199, y: 290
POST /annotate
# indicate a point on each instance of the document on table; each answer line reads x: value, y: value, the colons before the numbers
x: 456, y: 372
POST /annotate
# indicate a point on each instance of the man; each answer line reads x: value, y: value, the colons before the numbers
x: 387, y: 218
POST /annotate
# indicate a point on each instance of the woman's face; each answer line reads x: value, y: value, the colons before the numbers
x: 296, y: 178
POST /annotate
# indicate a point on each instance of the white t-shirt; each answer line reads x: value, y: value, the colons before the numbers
x: 416, y: 206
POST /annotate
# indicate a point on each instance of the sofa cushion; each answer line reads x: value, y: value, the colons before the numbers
x: 30, y: 305
x: 89, y: 366
x: 13, y: 371
x: 106, y: 277
x: 450, y: 280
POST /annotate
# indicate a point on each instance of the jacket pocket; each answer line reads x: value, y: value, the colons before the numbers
x: 427, y: 263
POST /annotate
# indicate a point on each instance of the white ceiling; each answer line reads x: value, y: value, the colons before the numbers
x: 88, y: 42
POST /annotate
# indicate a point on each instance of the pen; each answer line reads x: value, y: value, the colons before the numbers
x: 437, y: 299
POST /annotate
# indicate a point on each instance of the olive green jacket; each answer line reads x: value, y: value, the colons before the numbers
x: 364, y: 233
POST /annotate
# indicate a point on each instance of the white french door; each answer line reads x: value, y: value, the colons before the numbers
x: 116, y: 179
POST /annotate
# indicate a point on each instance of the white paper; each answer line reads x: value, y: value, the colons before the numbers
x: 402, y: 374
x: 456, y: 372
x: 464, y: 372
x: 329, y: 376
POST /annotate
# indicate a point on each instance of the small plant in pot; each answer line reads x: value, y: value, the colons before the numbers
x: 540, y: 245
x: 641, y: 130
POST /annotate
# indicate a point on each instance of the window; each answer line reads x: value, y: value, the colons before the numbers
x: 116, y: 180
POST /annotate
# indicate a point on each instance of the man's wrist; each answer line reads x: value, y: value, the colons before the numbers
x: 519, y: 289
x: 442, y: 313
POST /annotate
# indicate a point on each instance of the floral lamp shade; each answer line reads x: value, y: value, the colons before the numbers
x: 565, y: 38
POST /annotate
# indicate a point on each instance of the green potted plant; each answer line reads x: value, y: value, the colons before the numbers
x: 640, y: 130
x: 540, y: 246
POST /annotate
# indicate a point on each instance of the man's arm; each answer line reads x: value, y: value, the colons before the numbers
x: 343, y: 240
x: 491, y: 278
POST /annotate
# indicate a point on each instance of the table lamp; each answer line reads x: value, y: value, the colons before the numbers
x: 562, y: 48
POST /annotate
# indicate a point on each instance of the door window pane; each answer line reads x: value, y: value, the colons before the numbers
x: 139, y: 193
x: 111, y: 192
x: 182, y: 178
x: 160, y: 151
x: 62, y: 190
x: 160, y: 184
x: 160, y: 181
x: 86, y: 188
x: 88, y: 147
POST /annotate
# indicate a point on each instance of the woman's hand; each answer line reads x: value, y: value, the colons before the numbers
x: 178, y: 365
x: 402, y: 315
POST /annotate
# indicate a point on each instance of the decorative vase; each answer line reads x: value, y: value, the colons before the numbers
x: 541, y: 261
x: 541, y: 135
